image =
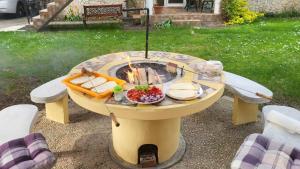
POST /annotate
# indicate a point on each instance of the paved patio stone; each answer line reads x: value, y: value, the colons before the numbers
x: 11, y: 24
x: 212, y: 140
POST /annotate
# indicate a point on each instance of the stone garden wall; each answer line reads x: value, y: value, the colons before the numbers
x: 274, y: 6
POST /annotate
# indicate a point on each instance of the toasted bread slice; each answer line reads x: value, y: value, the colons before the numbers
x: 104, y: 87
x: 82, y: 79
x: 94, y: 83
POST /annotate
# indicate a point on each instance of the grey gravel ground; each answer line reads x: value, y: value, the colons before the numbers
x: 211, y: 139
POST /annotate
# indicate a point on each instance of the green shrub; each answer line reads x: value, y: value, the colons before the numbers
x: 164, y: 25
x: 238, y: 12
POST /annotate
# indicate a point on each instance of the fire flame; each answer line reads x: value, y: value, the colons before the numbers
x: 131, y: 74
x: 129, y: 64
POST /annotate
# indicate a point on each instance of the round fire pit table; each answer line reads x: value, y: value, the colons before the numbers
x: 152, y: 130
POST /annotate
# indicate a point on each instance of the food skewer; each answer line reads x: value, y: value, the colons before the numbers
x: 256, y: 93
x: 172, y: 67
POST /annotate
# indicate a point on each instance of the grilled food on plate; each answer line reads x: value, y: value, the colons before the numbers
x: 184, y: 91
x: 183, y: 86
x: 182, y: 94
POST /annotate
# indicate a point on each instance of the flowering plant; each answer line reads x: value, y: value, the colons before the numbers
x: 238, y: 12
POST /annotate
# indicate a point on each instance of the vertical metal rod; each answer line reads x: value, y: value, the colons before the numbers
x: 147, y: 33
x: 147, y: 26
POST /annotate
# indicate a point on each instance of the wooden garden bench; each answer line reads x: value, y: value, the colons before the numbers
x: 114, y: 10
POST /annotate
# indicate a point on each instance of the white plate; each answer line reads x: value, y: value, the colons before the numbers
x: 161, y: 99
x: 199, y: 93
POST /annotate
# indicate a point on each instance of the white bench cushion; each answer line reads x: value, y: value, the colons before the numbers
x: 49, y: 92
x: 282, y: 124
x: 16, y: 121
x: 289, y: 123
x: 288, y: 111
x: 232, y: 81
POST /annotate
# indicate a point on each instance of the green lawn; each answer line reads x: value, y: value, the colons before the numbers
x: 267, y: 51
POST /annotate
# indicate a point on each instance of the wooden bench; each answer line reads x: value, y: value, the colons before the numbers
x: 54, y: 95
x: 114, y: 10
x: 16, y: 121
x: 246, y: 97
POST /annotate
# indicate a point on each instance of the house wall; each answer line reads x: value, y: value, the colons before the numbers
x: 269, y: 6
x: 274, y: 6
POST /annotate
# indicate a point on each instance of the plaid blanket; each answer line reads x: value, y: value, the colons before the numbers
x: 259, y: 152
x: 30, y: 152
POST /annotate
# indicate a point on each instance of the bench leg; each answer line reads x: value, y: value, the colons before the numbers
x: 84, y: 23
x: 243, y: 112
x: 58, y: 111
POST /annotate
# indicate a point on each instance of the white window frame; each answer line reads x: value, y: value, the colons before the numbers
x: 167, y: 4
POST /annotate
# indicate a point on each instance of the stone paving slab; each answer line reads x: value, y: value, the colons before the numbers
x: 212, y: 140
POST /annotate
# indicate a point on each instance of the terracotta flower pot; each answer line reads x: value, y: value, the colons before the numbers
x: 158, y: 9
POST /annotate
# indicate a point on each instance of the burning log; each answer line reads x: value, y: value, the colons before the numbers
x: 146, y: 73
x: 157, y: 78
x: 151, y: 74
x: 142, y: 76
x: 153, y: 77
